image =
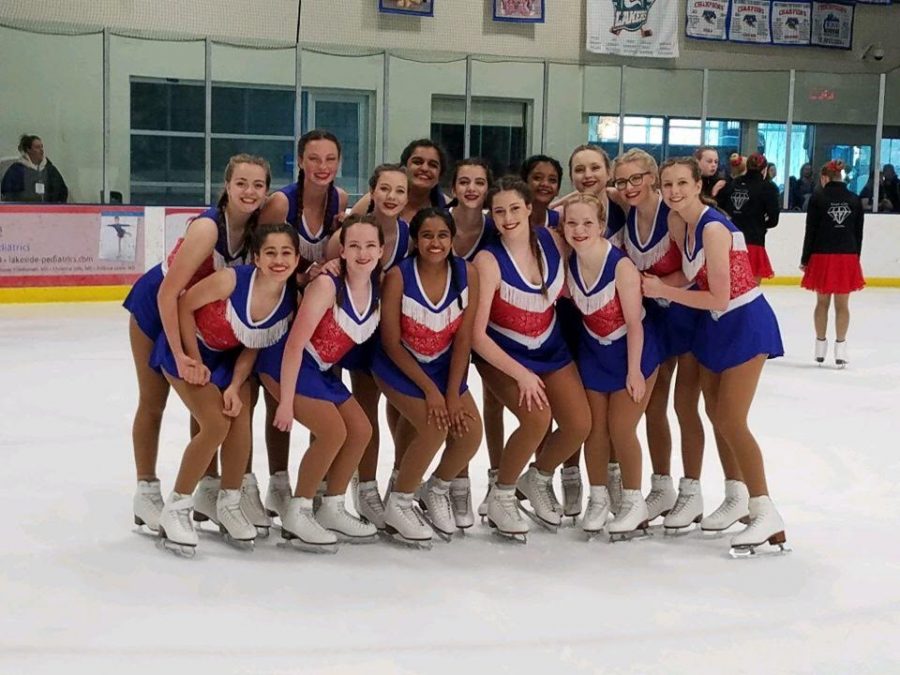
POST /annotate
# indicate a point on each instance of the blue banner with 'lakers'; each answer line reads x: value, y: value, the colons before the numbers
x: 646, y: 28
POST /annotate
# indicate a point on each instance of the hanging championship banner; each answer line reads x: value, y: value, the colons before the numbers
x: 875, y: 2
x: 647, y: 28
x: 750, y: 22
x: 832, y: 25
x: 706, y: 19
x: 791, y: 23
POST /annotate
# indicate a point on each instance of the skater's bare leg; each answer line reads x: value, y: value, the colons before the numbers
x: 236, y: 446
x: 659, y: 435
x: 460, y: 449
x: 367, y: 394
x: 278, y: 443
x: 358, y: 433
x: 597, y: 444
x: 687, y: 409
x: 820, y: 315
x: 624, y: 415
x: 709, y: 384
x: 205, y: 405
x: 427, y: 441
x: 524, y: 440
x: 735, y: 390
x: 153, y: 391
x: 493, y: 426
x: 572, y: 414
x: 841, y: 315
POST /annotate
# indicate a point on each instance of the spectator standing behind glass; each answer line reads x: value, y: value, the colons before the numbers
x: 801, y: 189
x: 866, y: 194
x: 830, y: 258
x: 33, y: 178
x: 752, y: 202
x: 713, y: 181
x: 890, y: 187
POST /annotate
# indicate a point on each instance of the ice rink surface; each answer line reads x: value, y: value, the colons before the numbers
x: 82, y: 592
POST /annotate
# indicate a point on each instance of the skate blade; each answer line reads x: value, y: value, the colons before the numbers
x: 759, y: 551
x: 594, y: 535
x: 417, y: 544
x: 262, y: 531
x: 353, y: 541
x: 517, y: 537
x: 143, y: 528
x: 300, y: 545
x: 550, y: 527
x: 681, y: 531
x: 181, y: 550
x: 248, y: 545
x: 640, y: 533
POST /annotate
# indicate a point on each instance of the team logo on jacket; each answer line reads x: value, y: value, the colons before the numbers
x: 739, y: 198
x: 839, y: 212
x: 631, y: 16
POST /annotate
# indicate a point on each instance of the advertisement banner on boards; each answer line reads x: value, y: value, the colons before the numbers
x: 791, y: 22
x: 706, y: 19
x: 749, y: 22
x: 45, y: 245
x: 832, y: 25
x: 645, y: 28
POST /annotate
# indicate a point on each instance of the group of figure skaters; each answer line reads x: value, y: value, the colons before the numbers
x: 581, y: 314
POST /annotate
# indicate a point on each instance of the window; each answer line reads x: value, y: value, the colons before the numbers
x: 771, y: 140
x: 498, y: 130
x: 663, y: 137
x: 168, y: 141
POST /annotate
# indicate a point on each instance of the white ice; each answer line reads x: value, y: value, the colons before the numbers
x: 81, y: 591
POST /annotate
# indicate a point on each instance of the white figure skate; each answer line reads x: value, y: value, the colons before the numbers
x: 503, y: 514
x: 234, y: 525
x: 840, y: 353
x: 536, y: 488
x: 404, y: 522
x: 492, y: 481
x: 632, y: 519
x: 369, y: 505
x: 278, y: 494
x: 662, y: 496
x: 301, y: 530
x: 148, y: 504
x: 594, y: 520
x: 252, y: 506
x: 434, y: 499
x: 614, y: 486
x: 572, y: 490
x: 333, y: 516
x: 461, y: 500
x: 821, y: 350
x: 735, y: 507
x: 176, y: 531
x: 766, y: 526
x: 320, y: 494
x: 206, y: 496
x: 688, y: 509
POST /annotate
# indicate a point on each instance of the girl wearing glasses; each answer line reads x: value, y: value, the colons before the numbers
x: 735, y: 335
x: 653, y: 251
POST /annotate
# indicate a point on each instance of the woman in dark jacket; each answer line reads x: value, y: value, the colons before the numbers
x: 752, y: 203
x: 830, y: 259
x: 33, y: 178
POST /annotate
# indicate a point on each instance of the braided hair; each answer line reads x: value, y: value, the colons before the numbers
x: 417, y: 222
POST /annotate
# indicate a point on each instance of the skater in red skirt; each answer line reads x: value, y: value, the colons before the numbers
x: 830, y: 260
x: 752, y: 203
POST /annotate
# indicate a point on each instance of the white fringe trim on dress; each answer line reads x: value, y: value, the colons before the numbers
x: 588, y: 304
x: 255, y: 338
x: 436, y: 321
x: 644, y: 260
x: 358, y: 332
x: 533, y: 300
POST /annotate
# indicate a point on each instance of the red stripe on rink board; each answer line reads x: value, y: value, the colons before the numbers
x: 66, y: 208
x: 68, y: 280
